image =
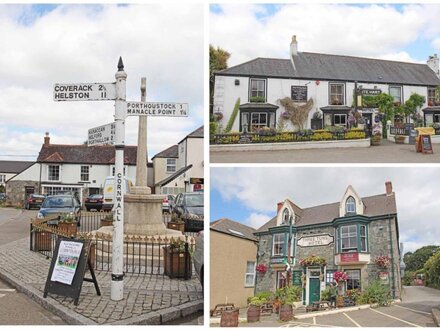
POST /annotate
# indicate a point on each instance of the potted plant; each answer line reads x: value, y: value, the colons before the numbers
x: 254, y: 309
x: 287, y: 297
x: 177, y: 260
x: 68, y: 224
x: 107, y: 220
x: 399, y: 139
x: 316, y: 121
x: 176, y: 224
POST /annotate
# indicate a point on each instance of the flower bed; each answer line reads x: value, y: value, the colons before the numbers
x: 269, y: 136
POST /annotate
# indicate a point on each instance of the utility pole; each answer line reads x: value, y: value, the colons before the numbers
x: 117, y: 285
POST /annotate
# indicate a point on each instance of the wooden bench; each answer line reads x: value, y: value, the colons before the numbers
x: 219, y: 308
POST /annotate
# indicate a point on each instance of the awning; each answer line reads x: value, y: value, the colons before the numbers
x: 258, y: 106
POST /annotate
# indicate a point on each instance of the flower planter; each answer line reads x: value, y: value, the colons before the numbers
x: 43, y: 241
x: 399, y: 139
x: 180, y: 226
x: 253, y: 314
x: 286, y: 313
x: 177, y: 264
x: 229, y: 318
x: 339, y: 301
x: 376, y: 141
x: 106, y: 222
x: 68, y: 228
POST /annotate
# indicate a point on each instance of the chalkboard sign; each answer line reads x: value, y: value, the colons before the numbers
x: 426, y: 144
x: 299, y: 93
x: 296, y: 276
x: 68, y: 267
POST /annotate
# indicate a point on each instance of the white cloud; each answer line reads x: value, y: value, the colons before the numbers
x: 256, y: 220
x: 82, y: 43
x: 325, y: 28
x: 259, y: 190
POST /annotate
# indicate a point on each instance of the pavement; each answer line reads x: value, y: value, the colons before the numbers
x: 415, y: 310
x: 148, y: 299
x: 387, y: 152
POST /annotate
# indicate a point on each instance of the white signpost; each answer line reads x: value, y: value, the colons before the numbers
x: 117, y: 92
x: 101, y: 135
x: 84, y: 92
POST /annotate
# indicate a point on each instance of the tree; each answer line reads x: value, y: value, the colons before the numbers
x: 432, y: 271
x: 415, y: 261
x: 218, y: 60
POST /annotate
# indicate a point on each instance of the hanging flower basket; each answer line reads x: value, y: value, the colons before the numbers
x: 383, y: 261
x: 261, y: 268
x: 313, y: 261
x: 340, y: 277
x: 218, y: 116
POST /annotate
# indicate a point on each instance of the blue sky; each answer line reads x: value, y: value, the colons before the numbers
x: 250, y: 195
x: 80, y: 43
x: 405, y: 32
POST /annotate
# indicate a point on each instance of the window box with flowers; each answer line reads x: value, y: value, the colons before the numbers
x: 261, y: 269
x: 313, y: 261
x: 383, y: 262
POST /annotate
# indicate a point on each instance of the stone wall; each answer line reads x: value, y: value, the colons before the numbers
x: 15, y: 191
x: 266, y: 281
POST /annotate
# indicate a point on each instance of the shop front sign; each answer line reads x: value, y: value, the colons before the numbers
x: 349, y: 257
x: 317, y: 240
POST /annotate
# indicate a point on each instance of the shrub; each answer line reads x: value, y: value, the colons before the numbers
x: 408, y: 278
x: 326, y: 294
x: 355, y: 134
x: 288, y: 295
x: 213, y: 127
x: 432, y: 271
x: 376, y: 293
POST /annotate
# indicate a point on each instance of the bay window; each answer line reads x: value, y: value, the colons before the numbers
x: 352, y: 238
x: 340, y: 119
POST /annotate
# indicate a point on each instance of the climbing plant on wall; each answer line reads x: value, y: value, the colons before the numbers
x: 296, y: 113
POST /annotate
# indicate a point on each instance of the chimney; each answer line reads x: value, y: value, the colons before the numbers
x: 389, y: 188
x: 293, y: 50
x: 279, y: 206
x: 433, y: 64
x: 47, y: 139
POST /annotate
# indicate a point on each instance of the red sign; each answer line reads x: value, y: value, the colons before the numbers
x: 198, y: 187
x: 349, y: 257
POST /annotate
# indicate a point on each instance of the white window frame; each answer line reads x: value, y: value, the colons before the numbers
x: 251, y: 275
x: 83, y: 173
x: 350, y: 202
x: 48, y: 172
x: 285, y: 218
x: 257, y: 91
x: 279, y: 241
x: 350, y: 273
x: 340, y: 115
x: 260, y: 124
x: 348, y: 236
x: 113, y: 170
x: 395, y: 97
x: 2, y: 178
x: 339, y: 96
x: 363, y: 237
x: 169, y: 167
x: 431, y: 98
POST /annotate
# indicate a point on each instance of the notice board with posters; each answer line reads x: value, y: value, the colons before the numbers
x: 68, y: 267
x: 426, y: 144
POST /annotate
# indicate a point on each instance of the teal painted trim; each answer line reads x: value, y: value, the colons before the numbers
x: 285, y: 244
x: 281, y: 229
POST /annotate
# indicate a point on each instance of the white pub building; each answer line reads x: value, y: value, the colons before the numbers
x: 329, y: 81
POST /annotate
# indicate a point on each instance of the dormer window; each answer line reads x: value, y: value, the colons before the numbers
x: 286, y: 215
x: 350, y: 205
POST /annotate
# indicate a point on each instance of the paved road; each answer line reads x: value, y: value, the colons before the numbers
x: 413, y: 311
x: 15, y: 307
x: 388, y: 152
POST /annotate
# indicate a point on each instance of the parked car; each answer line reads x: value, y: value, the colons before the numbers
x: 198, y: 256
x: 94, y: 202
x: 69, y: 192
x: 189, y: 208
x: 2, y: 197
x: 34, y: 201
x: 167, y: 203
x: 55, y: 206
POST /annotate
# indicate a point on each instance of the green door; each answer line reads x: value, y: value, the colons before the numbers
x: 314, y: 290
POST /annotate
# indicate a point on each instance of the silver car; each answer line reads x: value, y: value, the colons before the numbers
x: 198, y: 256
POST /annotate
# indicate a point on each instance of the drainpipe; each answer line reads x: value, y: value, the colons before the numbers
x: 39, y: 183
x: 392, y: 259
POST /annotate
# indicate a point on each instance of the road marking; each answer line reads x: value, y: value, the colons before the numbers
x: 314, y: 320
x: 396, y: 318
x: 7, y: 290
x: 414, y: 310
x: 304, y: 324
x: 355, y: 323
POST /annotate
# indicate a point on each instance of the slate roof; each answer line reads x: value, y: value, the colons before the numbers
x: 337, y: 67
x: 82, y: 154
x: 171, y: 152
x: 173, y: 176
x: 225, y: 226
x: 14, y: 166
x: 373, y: 206
x: 197, y: 133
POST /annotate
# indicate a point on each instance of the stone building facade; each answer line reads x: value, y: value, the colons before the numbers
x: 347, y: 236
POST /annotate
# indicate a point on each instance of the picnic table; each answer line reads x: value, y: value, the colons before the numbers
x: 220, y: 308
x: 318, y: 306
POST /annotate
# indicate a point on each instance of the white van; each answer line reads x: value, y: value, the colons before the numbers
x: 109, y: 191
